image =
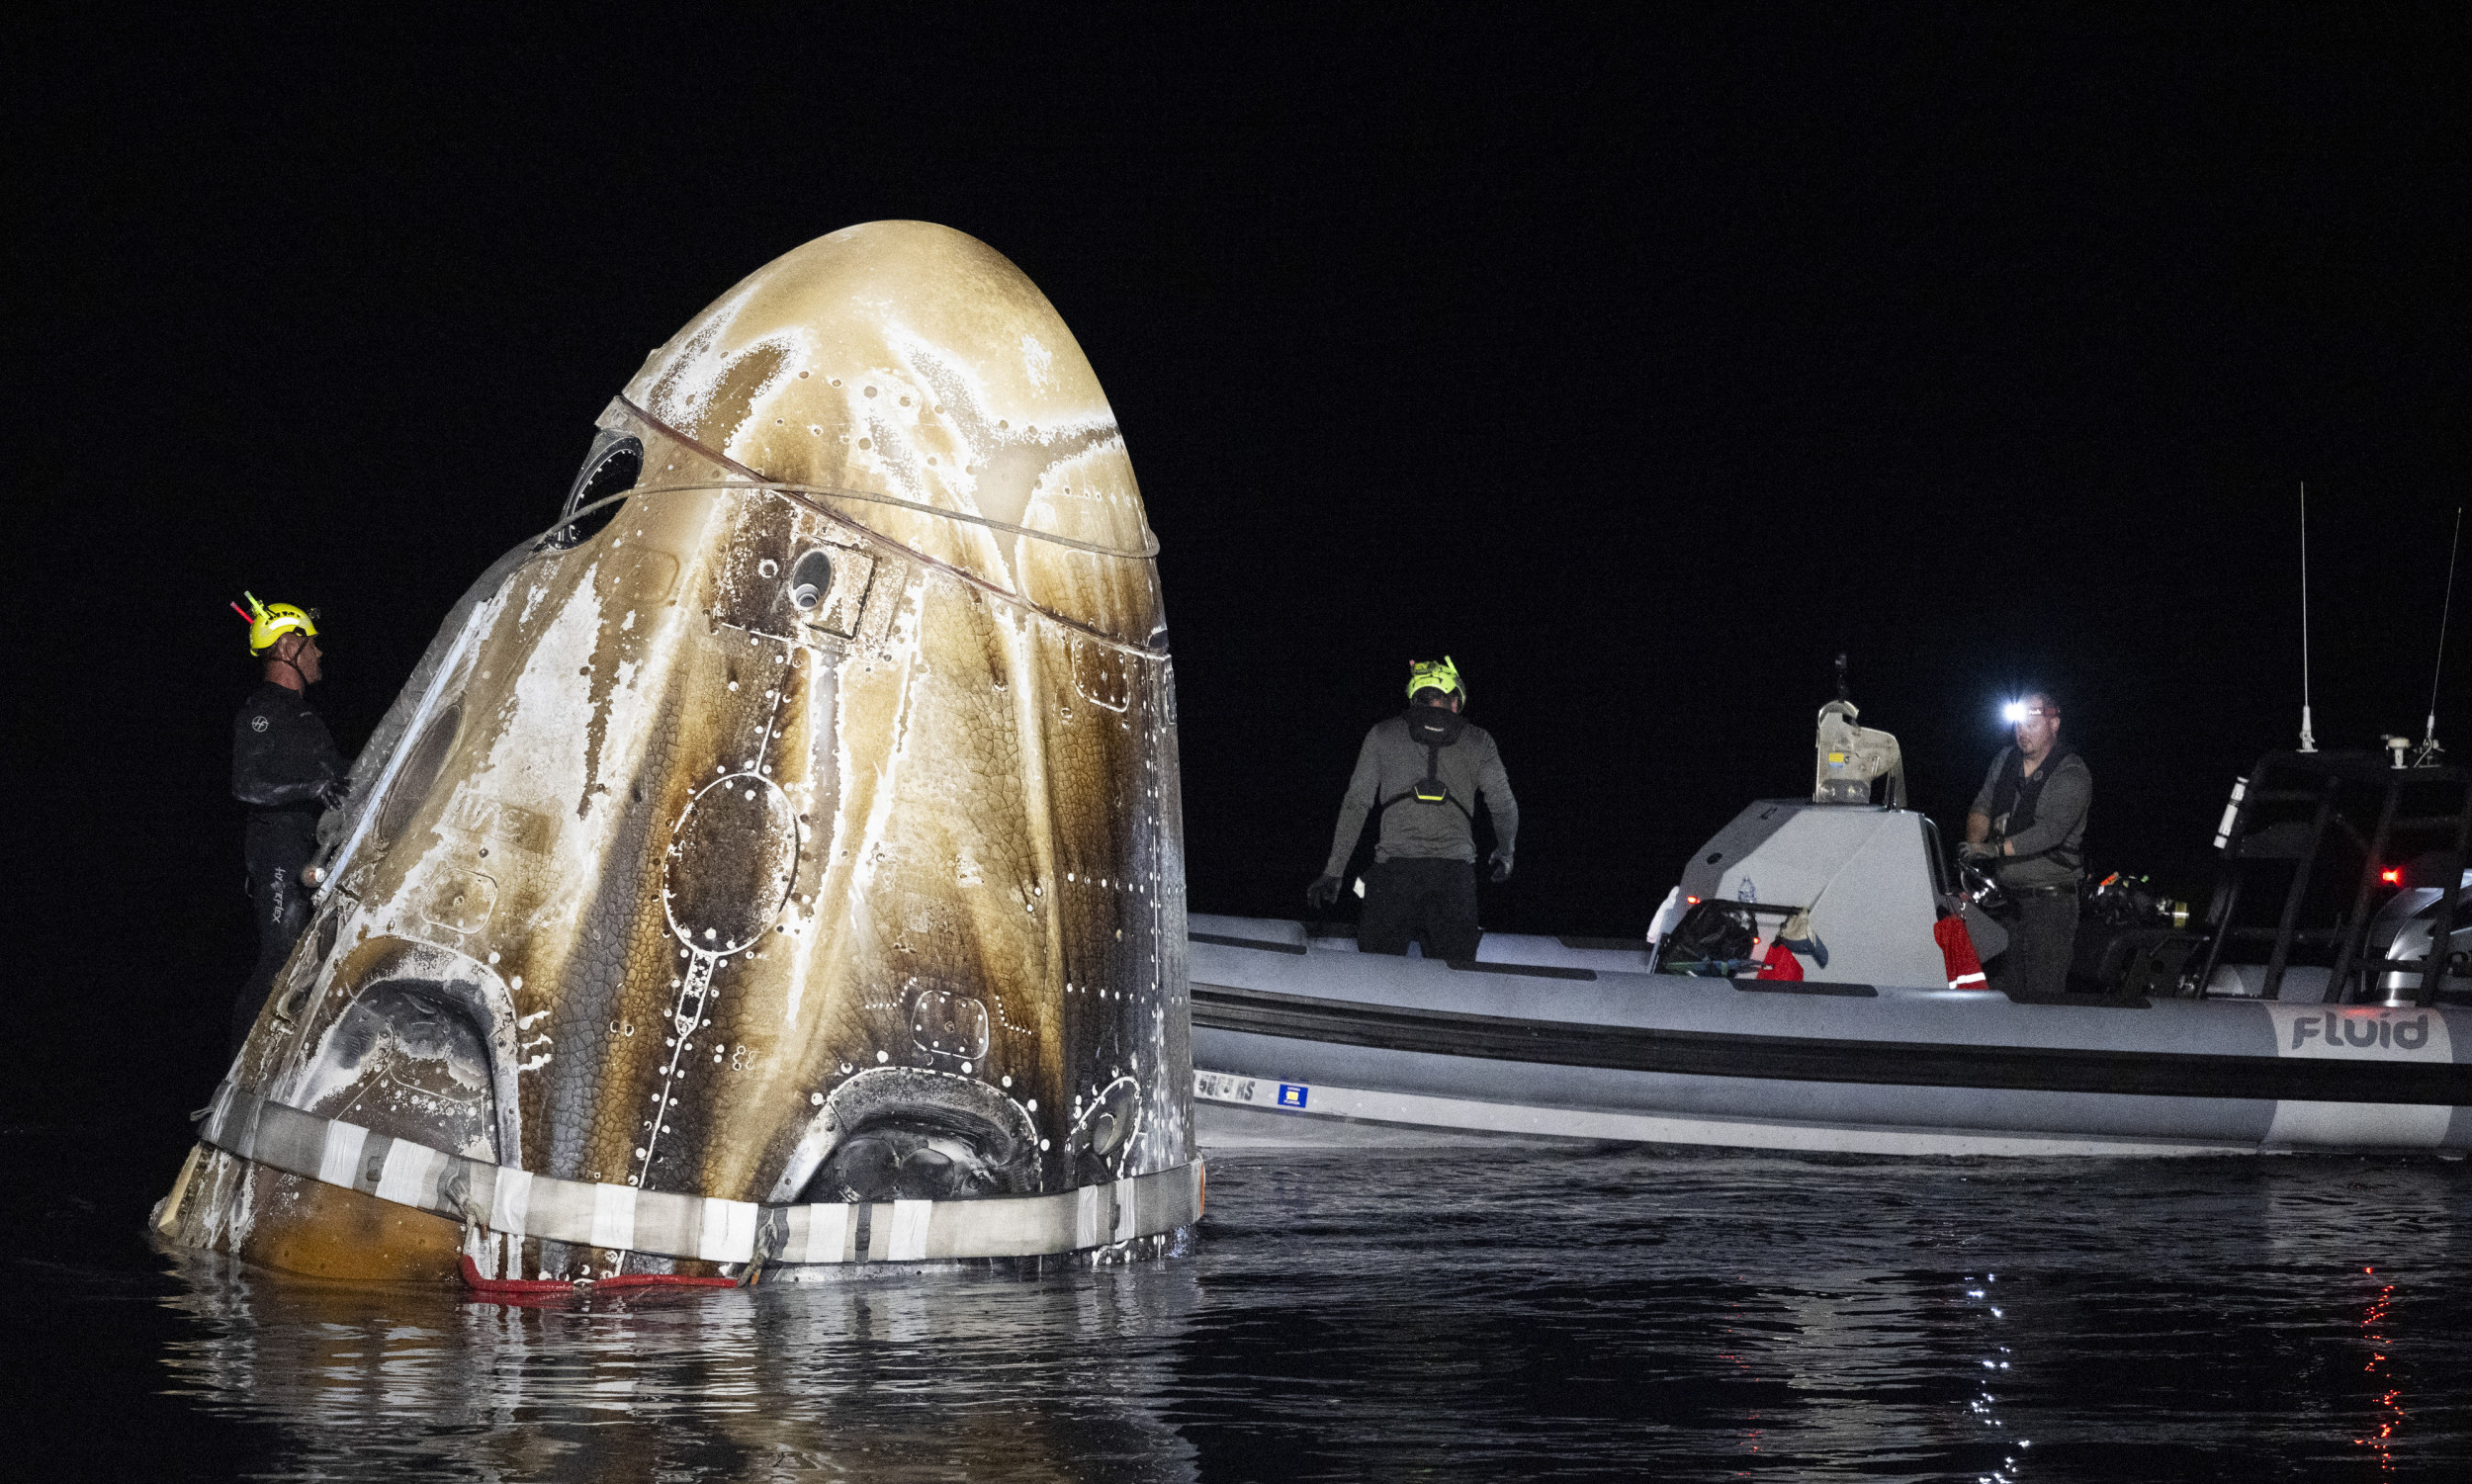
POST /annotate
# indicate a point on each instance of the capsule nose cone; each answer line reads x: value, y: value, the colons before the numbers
x: 915, y: 368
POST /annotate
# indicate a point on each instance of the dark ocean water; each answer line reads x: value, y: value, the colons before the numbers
x: 1514, y: 1312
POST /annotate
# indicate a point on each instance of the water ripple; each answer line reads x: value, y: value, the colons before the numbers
x: 1523, y: 1314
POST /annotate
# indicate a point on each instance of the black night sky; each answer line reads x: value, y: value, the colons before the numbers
x: 1641, y: 370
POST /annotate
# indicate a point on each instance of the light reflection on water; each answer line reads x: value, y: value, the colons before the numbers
x: 1517, y: 1313
x: 906, y: 1378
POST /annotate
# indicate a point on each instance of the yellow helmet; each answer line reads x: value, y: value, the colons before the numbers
x: 269, y: 622
x: 1436, y: 674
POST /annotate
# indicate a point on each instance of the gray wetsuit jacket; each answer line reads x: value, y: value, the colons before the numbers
x: 1388, y: 767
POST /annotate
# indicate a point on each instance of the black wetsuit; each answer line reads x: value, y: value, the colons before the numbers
x: 283, y: 760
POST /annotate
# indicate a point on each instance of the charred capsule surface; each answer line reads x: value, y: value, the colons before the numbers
x: 790, y: 863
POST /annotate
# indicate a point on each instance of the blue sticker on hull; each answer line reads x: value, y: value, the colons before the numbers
x: 1290, y: 1095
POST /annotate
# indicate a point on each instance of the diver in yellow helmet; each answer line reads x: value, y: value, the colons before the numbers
x: 1427, y: 770
x: 286, y: 768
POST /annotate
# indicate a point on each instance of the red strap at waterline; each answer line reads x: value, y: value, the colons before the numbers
x: 1957, y: 950
x: 560, y: 1289
x: 1780, y: 963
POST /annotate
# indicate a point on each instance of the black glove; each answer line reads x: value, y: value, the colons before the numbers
x: 1501, y: 865
x: 335, y: 793
x: 1322, y: 893
x: 1978, y: 851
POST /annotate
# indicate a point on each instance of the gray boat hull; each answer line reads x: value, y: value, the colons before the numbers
x: 1306, y: 1041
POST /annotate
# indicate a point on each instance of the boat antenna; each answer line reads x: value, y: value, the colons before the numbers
x: 2308, y: 744
x: 1843, y: 696
x: 2429, y: 749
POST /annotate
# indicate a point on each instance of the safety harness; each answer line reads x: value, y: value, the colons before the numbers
x: 1437, y: 727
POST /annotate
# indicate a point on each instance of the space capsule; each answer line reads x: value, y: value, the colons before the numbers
x: 778, y: 865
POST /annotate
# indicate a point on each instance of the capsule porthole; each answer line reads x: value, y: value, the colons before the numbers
x: 811, y: 578
x: 613, y: 466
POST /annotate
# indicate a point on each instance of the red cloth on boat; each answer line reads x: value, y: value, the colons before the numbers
x: 1780, y: 963
x: 1957, y: 949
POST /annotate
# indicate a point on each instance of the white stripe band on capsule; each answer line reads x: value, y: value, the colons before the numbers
x: 909, y: 1240
x: 340, y: 1158
x: 518, y: 1203
x: 408, y: 1167
x: 510, y: 1201
x: 613, y: 1217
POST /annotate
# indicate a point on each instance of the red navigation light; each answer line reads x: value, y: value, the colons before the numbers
x: 2391, y: 876
x: 1690, y: 901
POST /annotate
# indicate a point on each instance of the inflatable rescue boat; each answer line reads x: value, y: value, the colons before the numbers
x: 1809, y: 986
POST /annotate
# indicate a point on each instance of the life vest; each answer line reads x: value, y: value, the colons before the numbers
x: 2014, y: 795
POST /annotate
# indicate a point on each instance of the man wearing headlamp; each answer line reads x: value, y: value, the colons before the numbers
x: 2028, y: 827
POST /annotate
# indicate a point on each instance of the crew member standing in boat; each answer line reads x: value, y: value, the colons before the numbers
x: 285, y: 766
x: 2028, y: 825
x: 1427, y: 769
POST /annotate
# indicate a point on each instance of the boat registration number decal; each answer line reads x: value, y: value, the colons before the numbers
x: 1219, y: 1086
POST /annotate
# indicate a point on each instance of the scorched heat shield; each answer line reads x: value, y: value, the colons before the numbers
x: 780, y: 862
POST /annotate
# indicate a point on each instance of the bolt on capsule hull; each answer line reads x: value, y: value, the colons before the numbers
x: 779, y: 866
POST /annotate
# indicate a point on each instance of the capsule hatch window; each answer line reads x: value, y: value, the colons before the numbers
x: 611, y: 466
x: 811, y: 578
